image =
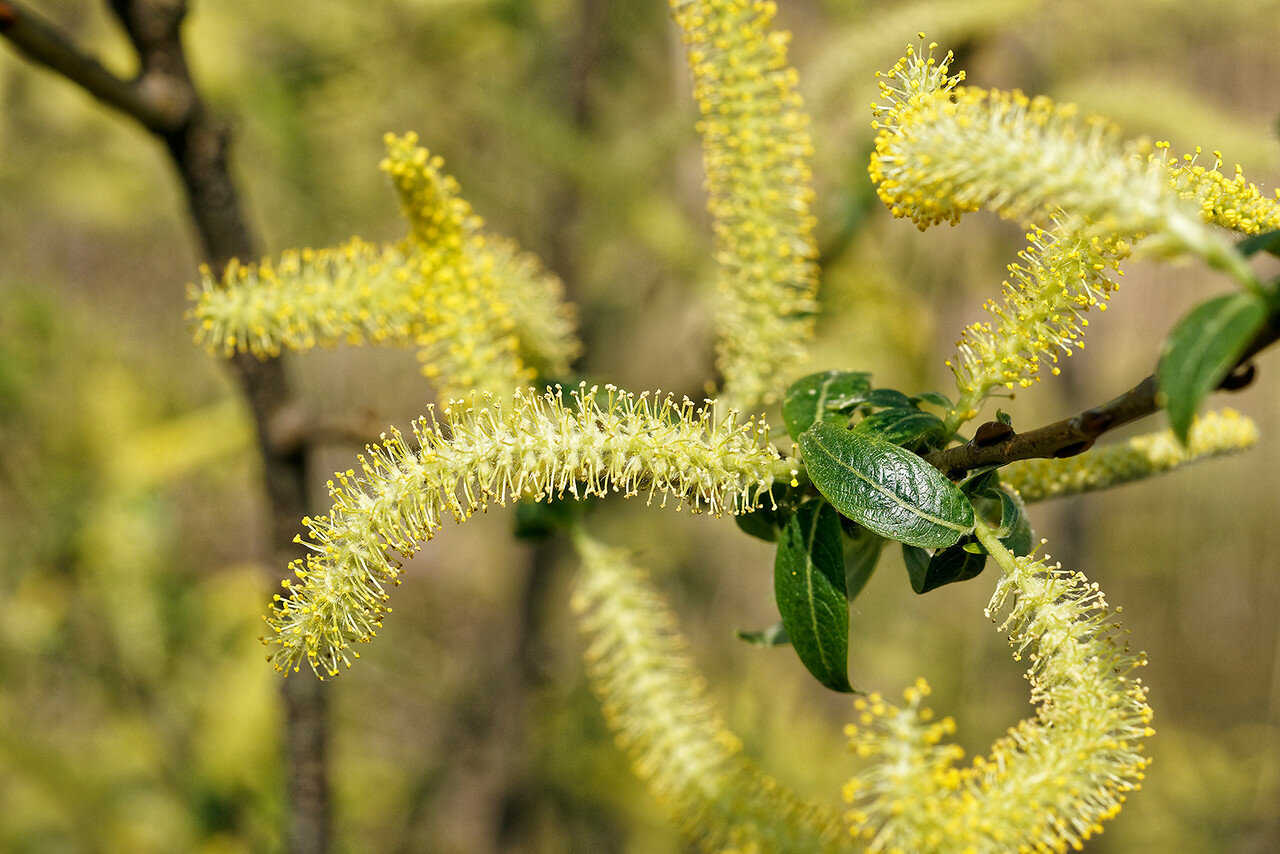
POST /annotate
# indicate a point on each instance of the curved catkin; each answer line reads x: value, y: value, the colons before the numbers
x: 653, y: 699
x: 943, y: 150
x: 756, y: 149
x: 599, y: 442
x: 1060, y: 276
x: 1056, y: 777
x: 1233, y: 203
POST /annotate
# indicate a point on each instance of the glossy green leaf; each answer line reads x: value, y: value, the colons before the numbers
x: 916, y: 561
x: 980, y: 482
x: 901, y: 426
x: 945, y: 566
x: 775, y: 635
x: 861, y: 554
x: 1202, y: 350
x: 884, y: 487
x: 822, y: 395
x: 889, y: 398
x: 809, y: 583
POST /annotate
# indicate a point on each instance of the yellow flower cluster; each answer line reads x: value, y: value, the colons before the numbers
x: 1051, y: 782
x: 1061, y: 276
x: 1232, y: 203
x: 525, y: 446
x: 943, y: 150
x: 756, y: 149
x: 487, y: 316
x: 653, y: 699
x: 309, y: 297
x: 1213, y: 434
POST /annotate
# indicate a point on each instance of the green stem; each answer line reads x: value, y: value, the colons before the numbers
x: 991, y: 542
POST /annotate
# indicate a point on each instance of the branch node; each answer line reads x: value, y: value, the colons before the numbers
x: 992, y: 433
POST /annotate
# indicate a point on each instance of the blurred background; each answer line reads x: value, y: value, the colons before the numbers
x: 136, y: 710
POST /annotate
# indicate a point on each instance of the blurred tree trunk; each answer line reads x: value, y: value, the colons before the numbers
x: 164, y: 99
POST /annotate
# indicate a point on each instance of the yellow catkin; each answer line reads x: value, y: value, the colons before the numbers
x: 1213, y: 434
x: 487, y: 316
x: 654, y: 702
x: 600, y: 441
x: 1055, y: 778
x: 943, y: 150
x: 756, y: 149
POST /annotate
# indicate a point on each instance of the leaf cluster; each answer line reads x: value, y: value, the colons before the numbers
x: 869, y: 485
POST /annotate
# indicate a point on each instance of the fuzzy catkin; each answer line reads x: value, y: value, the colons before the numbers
x: 756, y: 150
x: 600, y: 441
x: 653, y: 699
x: 1056, y: 777
x: 1212, y: 434
x: 943, y: 150
x: 485, y: 315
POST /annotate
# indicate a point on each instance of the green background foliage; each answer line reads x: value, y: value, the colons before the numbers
x: 136, y: 708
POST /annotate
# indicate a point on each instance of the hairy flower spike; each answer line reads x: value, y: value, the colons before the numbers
x: 1061, y: 276
x: 1232, y: 203
x: 526, y: 446
x: 943, y: 150
x: 756, y: 150
x: 1213, y: 434
x: 487, y: 316
x: 1051, y: 782
x: 653, y: 699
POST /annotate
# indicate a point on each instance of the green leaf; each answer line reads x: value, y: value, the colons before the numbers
x: 889, y: 398
x: 1202, y: 350
x: 884, y: 487
x: 916, y: 560
x: 980, y: 482
x: 821, y: 395
x: 809, y: 583
x: 1015, y: 528
x: 1267, y: 241
x: 901, y: 426
x: 861, y: 554
x: 775, y: 635
x: 945, y: 566
x: 936, y: 398
x: 763, y: 523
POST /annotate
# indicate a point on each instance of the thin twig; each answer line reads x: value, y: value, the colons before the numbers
x: 1074, y: 435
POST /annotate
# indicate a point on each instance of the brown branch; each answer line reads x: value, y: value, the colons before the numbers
x: 150, y: 98
x: 1063, y: 438
x: 165, y: 100
x: 994, y: 444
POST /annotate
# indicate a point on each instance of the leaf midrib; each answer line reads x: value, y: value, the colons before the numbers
x: 888, y: 493
x: 810, y: 568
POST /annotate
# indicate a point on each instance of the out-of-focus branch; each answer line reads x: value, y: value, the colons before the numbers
x: 164, y: 99
x: 158, y: 107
